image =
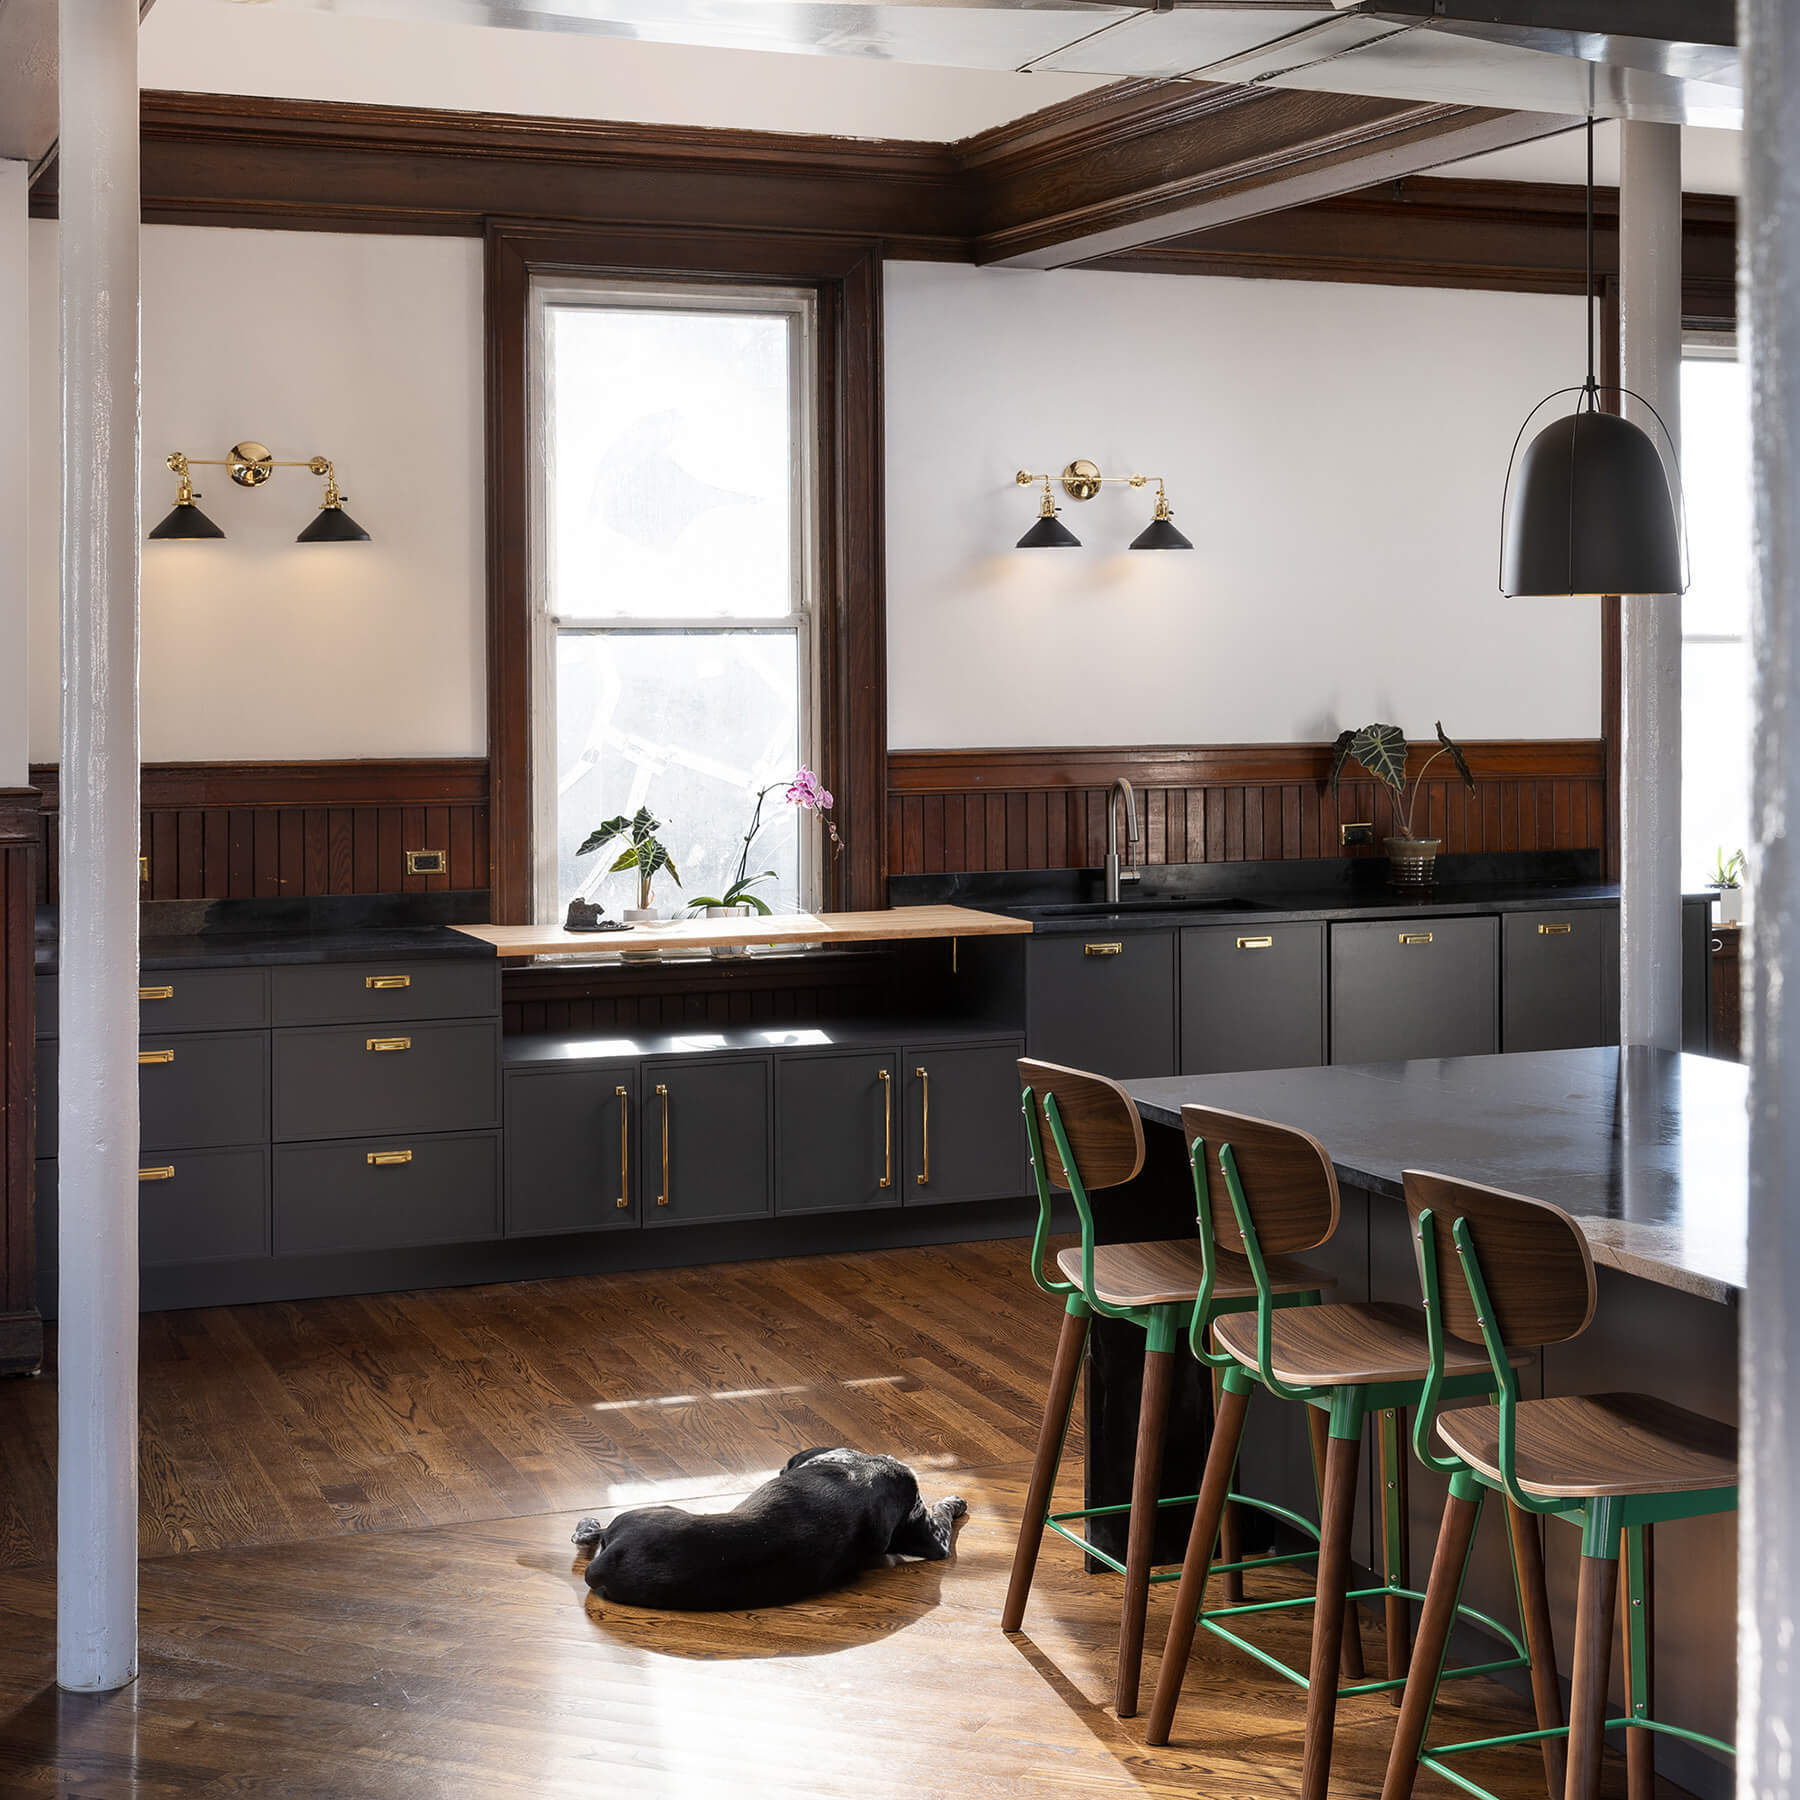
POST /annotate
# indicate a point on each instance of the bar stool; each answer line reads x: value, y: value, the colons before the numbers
x: 1268, y: 1190
x: 1091, y: 1137
x: 1516, y: 1274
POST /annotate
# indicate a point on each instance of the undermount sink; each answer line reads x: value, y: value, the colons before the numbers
x: 1121, y: 909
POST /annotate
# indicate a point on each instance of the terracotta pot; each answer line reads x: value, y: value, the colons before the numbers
x: 1412, y: 862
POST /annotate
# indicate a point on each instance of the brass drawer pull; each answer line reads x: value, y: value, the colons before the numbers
x: 387, y: 1043
x: 1261, y: 943
x: 924, y: 1175
x: 387, y: 981
x: 1555, y: 930
x: 156, y: 993
x: 662, y: 1092
x: 166, y: 1173
x: 887, y: 1127
x: 624, y: 1198
x: 388, y: 1159
x: 1415, y: 937
x: 1102, y: 949
x: 155, y: 1056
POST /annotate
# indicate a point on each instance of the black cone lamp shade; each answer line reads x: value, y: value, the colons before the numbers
x: 185, y: 520
x: 1049, y: 533
x: 333, y: 526
x: 1160, y: 533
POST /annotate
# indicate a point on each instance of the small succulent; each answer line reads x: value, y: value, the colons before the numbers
x: 1728, y: 871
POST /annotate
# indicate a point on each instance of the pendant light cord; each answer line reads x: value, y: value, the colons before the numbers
x: 1592, y: 393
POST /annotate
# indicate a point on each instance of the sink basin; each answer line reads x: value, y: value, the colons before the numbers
x: 1125, y: 909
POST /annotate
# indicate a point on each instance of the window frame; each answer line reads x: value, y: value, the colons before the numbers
x: 799, y: 306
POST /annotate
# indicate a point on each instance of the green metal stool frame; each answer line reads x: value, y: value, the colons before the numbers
x: 1613, y: 1528
x: 1163, y: 1326
x: 1347, y: 1407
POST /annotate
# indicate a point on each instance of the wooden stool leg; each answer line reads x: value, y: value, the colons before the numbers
x: 1337, y: 1517
x: 1540, y: 1642
x: 1140, y: 1544
x: 1318, y: 1429
x: 1596, y: 1596
x: 1396, y: 1544
x: 1064, y: 1374
x: 1449, y: 1565
x: 1221, y: 1459
x: 1637, y: 1630
x: 1231, y: 1525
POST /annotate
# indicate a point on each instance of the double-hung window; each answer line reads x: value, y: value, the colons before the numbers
x: 674, y: 581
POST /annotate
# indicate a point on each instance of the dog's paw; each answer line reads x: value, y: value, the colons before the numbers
x: 956, y: 1505
x: 588, y: 1531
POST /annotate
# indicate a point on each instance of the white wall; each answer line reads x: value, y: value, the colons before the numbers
x: 364, y: 349
x: 1336, y: 453
x: 15, y: 454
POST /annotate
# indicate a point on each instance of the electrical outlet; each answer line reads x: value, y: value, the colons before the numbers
x: 1355, y: 834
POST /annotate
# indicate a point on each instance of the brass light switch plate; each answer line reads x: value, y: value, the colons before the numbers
x: 1363, y: 833
x: 427, y: 862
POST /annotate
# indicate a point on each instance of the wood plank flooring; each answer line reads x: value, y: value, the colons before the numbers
x: 357, y: 1579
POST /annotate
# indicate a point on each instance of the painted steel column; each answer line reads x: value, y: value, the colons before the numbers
x: 1769, y: 1414
x: 15, y: 370
x: 1650, y: 743
x: 96, y: 1486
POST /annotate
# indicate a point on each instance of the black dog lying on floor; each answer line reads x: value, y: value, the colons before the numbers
x: 825, y: 1518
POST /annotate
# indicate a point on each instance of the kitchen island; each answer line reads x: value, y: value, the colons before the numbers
x: 1647, y: 1150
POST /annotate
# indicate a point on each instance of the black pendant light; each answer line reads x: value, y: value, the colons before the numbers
x: 1587, y: 508
x: 185, y: 520
x: 1049, y: 533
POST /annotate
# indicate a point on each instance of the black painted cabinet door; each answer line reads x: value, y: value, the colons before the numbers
x: 571, y: 1149
x: 1553, y: 980
x: 1252, y: 997
x: 1414, y: 988
x: 706, y: 1140
x: 1103, y: 1001
x: 838, y: 1132
x: 965, y: 1138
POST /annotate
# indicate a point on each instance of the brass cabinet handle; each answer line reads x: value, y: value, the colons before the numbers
x: 156, y: 993
x: 1555, y: 930
x: 166, y: 1173
x: 155, y: 1056
x: 887, y: 1127
x: 624, y: 1198
x: 1415, y: 937
x: 387, y: 981
x: 662, y: 1199
x: 1261, y: 943
x: 397, y: 1043
x: 1102, y: 949
x: 388, y: 1159
x: 924, y: 1175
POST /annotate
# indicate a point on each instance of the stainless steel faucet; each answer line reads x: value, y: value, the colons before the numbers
x: 1121, y: 786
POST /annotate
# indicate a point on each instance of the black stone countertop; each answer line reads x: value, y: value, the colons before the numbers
x: 1648, y: 1149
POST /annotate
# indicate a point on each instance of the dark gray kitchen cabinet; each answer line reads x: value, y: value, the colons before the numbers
x: 199, y: 1089
x: 572, y: 1144
x: 965, y: 1138
x: 374, y: 993
x: 359, y: 1080
x: 386, y: 1193
x: 202, y: 1000
x: 1411, y: 988
x: 1252, y: 997
x: 1103, y: 1001
x: 706, y: 1139
x: 1553, y: 980
x: 838, y: 1132
x: 1696, y: 976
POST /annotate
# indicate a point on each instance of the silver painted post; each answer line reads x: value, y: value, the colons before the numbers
x: 1650, y: 744
x: 96, y: 1485
x: 15, y: 370
x: 1769, y: 316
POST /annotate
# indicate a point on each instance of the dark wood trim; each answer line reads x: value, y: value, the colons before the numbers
x: 21, y: 1330
x: 847, y: 279
x: 369, y: 781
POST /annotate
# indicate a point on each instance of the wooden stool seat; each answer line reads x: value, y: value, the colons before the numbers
x: 1575, y: 1447
x: 1345, y: 1346
x: 1168, y: 1273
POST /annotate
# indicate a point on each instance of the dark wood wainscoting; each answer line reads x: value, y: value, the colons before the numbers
x: 21, y: 1330
x: 1046, y: 808
x: 229, y: 831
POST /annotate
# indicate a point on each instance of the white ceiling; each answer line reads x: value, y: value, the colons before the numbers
x: 1711, y: 161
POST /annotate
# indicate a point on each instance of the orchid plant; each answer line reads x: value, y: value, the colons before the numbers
x: 804, y: 790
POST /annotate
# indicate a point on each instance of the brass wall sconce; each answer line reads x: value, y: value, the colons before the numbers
x: 250, y: 465
x: 1082, y: 480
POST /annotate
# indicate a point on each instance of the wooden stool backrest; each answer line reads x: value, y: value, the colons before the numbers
x: 1534, y: 1261
x: 1099, y: 1119
x: 1288, y: 1182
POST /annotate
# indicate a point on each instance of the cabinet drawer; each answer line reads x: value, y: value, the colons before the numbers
x: 352, y: 1081
x: 1103, y: 1001
x: 375, y: 992
x: 1553, y: 980
x: 706, y: 1140
x: 572, y: 1149
x: 196, y: 1090
x: 1405, y: 988
x: 422, y: 1190
x: 1252, y: 997
x: 202, y: 1000
x: 965, y: 1138
x: 838, y: 1132
x: 47, y: 1009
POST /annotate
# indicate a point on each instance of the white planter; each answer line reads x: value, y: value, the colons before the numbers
x: 1731, y: 906
x: 640, y: 915
x: 739, y: 911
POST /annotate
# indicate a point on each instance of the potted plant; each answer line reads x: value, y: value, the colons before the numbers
x: 803, y: 790
x: 1728, y: 878
x: 1381, y: 751
x: 645, y: 853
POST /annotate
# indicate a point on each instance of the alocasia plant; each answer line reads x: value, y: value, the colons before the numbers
x: 1381, y: 750
x: 643, y: 851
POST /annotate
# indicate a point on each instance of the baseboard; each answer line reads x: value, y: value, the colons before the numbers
x: 21, y: 1342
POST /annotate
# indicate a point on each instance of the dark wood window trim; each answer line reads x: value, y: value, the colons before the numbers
x: 846, y: 277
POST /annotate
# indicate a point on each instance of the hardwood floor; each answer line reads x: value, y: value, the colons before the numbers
x: 357, y: 1578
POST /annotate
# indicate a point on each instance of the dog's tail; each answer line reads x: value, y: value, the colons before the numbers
x: 590, y: 1534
